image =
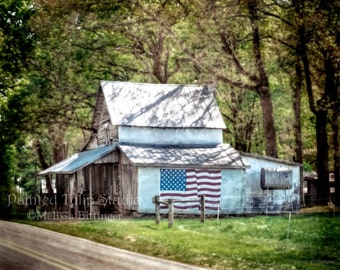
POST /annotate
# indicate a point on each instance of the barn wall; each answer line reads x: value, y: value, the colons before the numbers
x: 241, y: 191
x: 105, y: 184
x: 270, y: 201
x: 128, y: 183
x: 148, y: 187
x: 232, y: 191
x: 232, y: 199
x: 106, y: 132
x: 144, y: 135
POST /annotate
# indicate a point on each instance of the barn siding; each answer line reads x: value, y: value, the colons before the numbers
x: 232, y: 190
x: 105, y: 184
x: 106, y: 133
x: 113, y: 157
x: 129, y: 183
x: 115, y: 177
x: 273, y: 201
x: 241, y: 191
x: 148, y: 187
x: 168, y: 136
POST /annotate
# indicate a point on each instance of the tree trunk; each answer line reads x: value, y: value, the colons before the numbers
x: 332, y: 94
x: 297, y: 112
x: 322, y: 157
x: 263, y: 84
x: 320, y: 114
x: 59, y: 153
x: 268, y: 121
x: 44, y: 166
x: 336, y: 155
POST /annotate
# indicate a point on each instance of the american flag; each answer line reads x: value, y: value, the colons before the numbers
x: 190, y: 184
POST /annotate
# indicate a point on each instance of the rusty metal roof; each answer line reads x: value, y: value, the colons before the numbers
x: 78, y: 161
x: 161, y: 105
x: 221, y: 156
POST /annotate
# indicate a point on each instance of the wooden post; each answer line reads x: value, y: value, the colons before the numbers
x: 76, y: 202
x: 171, y: 213
x: 91, y: 176
x: 157, y: 209
x: 202, y: 203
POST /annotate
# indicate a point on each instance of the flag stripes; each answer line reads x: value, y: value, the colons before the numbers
x: 191, y: 184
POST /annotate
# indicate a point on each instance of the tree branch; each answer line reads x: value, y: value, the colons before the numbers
x: 229, y: 50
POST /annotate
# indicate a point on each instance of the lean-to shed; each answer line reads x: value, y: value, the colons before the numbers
x: 166, y: 140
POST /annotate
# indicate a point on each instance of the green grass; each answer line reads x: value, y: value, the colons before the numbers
x: 229, y: 243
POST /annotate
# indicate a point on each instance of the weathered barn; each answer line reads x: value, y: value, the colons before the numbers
x: 166, y: 140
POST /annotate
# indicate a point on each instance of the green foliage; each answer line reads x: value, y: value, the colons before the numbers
x: 16, y: 40
x: 307, y: 167
x: 16, y: 45
x: 79, y: 43
x: 240, y: 109
x: 7, y: 173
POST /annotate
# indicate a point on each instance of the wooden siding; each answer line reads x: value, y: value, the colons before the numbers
x: 92, y: 142
x: 110, y: 158
x: 62, y: 185
x: 106, y: 133
x: 129, y: 183
x: 104, y: 181
x: 105, y: 191
x: 98, y: 110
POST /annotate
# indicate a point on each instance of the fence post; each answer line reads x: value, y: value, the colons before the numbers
x: 157, y: 203
x: 171, y: 213
x: 202, y: 203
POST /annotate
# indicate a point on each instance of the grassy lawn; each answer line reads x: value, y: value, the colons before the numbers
x: 308, y: 241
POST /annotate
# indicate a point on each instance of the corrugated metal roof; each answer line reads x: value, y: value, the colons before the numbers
x: 161, y: 105
x: 221, y: 156
x: 78, y: 161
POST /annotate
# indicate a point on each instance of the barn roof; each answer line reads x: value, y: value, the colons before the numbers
x: 78, y: 161
x: 221, y: 156
x: 161, y: 105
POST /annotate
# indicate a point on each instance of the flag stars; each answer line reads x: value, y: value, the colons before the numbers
x: 173, y: 179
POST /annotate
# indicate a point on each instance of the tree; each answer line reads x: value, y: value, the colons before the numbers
x: 61, y: 95
x: 235, y: 29
x: 16, y: 40
x: 317, y: 37
x: 140, y: 48
x: 312, y: 41
x: 16, y: 44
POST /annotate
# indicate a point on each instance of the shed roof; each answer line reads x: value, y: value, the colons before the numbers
x: 161, y: 105
x: 268, y: 158
x: 221, y: 156
x: 78, y: 161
